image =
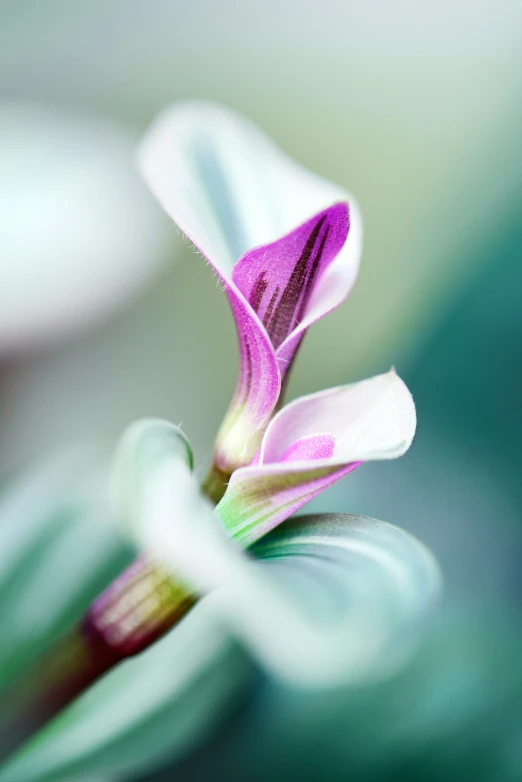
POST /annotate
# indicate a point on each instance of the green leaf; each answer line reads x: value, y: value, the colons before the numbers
x: 347, y: 600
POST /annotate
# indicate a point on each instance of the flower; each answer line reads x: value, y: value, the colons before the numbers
x: 321, y: 600
x: 309, y: 445
x: 284, y: 242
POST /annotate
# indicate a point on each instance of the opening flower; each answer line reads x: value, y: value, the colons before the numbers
x: 317, y: 601
x: 284, y: 242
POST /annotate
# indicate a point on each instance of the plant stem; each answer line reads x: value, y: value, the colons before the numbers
x: 215, y: 484
x: 133, y: 612
x: 66, y: 670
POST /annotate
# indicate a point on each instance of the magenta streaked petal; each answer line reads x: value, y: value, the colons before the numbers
x: 302, y: 276
x: 371, y: 420
x: 278, y: 279
x: 256, y: 394
x: 338, y: 278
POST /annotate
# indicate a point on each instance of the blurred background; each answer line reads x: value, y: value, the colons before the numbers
x: 106, y: 315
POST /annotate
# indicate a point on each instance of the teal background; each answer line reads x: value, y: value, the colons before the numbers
x: 417, y: 109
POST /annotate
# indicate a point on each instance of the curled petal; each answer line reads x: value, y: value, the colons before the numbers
x: 370, y: 419
x: 312, y: 443
x: 279, y: 279
x: 144, y: 447
x: 270, y: 295
x: 338, y: 599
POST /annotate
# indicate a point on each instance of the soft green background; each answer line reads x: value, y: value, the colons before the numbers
x: 417, y: 109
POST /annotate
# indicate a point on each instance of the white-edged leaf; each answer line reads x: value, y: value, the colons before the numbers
x: 348, y: 598
x: 158, y: 501
x: 337, y: 598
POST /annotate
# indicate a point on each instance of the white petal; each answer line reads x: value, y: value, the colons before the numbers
x: 376, y: 582
x: 371, y: 419
x: 226, y: 185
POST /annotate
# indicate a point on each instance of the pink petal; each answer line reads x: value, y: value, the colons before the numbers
x: 279, y: 279
x: 270, y: 293
x: 311, y: 448
x: 260, y: 498
x: 257, y: 390
x: 371, y: 420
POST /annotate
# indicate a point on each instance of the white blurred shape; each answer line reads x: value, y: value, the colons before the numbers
x: 78, y: 232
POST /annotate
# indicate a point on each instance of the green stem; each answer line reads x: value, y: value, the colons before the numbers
x: 215, y: 484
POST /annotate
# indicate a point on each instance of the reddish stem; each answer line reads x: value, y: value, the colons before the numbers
x: 133, y: 612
